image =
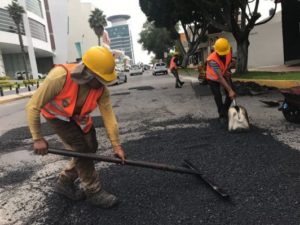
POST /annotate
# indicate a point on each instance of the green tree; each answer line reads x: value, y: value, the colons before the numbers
x: 156, y: 40
x: 97, y: 21
x: 16, y: 13
x: 238, y: 17
x: 171, y: 13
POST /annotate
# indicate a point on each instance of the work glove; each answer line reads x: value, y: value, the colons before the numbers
x: 119, y: 152
x: 40, y: 146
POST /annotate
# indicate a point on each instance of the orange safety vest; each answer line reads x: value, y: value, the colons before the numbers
x: 63, y: 105
x: 173, y: 64
x: 210, y: 74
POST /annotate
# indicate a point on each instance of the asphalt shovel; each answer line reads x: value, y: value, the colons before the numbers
x: 238, y: 120
x: 158, y: 166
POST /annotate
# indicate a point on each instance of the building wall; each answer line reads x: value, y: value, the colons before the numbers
x: 79, y: 29
x: 59, y: 19
x: 37, y: 38
x: 266, y: 44
x: 2, y: 70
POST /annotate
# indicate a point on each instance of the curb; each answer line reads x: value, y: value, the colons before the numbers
x: 10, y: 98
x: 281, y: 84
x: 192, y: 79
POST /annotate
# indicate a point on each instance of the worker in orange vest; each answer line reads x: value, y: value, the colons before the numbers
x: 218, y: 64
x: 173, y: 69
x: 66, y: 99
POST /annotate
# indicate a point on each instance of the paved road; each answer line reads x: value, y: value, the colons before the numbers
x: 260, y: 169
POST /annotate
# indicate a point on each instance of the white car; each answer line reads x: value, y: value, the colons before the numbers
x: 160, y: 68
x: 135, y: 70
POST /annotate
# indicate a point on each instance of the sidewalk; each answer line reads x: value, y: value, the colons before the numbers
x: 14, y: 97
x: 279, y: 68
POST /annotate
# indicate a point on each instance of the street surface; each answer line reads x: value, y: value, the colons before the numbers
x: 260, y: 170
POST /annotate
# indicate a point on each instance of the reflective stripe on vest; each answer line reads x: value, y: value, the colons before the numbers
x: 63, y: 105
x: 210, y: 73
x: 173, y: 63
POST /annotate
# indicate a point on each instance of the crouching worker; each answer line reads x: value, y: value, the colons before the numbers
x: 217, y: 75
x: 67, y: 97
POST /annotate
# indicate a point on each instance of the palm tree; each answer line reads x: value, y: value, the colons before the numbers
x: 97, y: 22
x: 16, y: 13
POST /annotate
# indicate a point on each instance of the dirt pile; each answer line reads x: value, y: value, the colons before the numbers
x: 251, y: 88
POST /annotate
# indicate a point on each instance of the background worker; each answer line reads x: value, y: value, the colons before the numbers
x: 217, y: 75
x: 67, y: 97
x: 173, y: 68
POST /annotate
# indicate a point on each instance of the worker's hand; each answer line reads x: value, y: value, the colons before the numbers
x: 40, y: 146
x: 231, y: 94
x: 227, y: 74
x: 119, y: 152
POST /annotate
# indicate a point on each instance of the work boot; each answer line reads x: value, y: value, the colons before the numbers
x: 102, y: 199
x: 69, y: 190
x: 181, y: 83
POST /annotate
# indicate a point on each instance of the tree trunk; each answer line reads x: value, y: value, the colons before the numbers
x: 99, y: 40
x: 23, y: 51
x: 242, y: 55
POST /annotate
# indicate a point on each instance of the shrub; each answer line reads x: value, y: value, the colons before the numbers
x: 5, y: 78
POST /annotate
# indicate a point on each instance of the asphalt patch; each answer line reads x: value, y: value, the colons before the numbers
x: 251, y: 88
x: 259, y: 173
x: 142, y: 88
x: 121, y: 93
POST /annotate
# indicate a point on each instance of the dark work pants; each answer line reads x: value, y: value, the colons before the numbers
x: 178, y: 82
x: 75, y: 140
x: 216, y: 91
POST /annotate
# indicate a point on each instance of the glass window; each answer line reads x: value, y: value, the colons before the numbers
x: 7, y: 24
x: 38, y: 30
x: 35, y: 6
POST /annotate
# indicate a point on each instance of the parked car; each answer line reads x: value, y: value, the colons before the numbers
x: 135, y: 70
x: 160, y: 68
x: 146, y: 67
x: 121, y: 77
x: 20, y: 75
x: 41, y: 76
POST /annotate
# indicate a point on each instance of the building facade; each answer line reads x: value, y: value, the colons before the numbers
x: 120, y: 35
x: 52, y: 33
x: 38, y: 44
x: 80, y: 35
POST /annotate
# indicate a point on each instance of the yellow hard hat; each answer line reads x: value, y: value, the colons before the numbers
x: 101, y: 62
x: 222, y: 46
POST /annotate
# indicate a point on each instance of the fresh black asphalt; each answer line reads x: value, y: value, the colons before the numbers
x: 261, y: 175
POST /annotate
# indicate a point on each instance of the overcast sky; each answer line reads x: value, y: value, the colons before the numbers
x: 132, y: 8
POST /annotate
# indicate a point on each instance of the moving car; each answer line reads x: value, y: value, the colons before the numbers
x: 135, y: 70
x: 160, y: 68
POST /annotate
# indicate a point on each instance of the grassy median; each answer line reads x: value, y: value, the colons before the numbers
x: 253, y: 75
x: 269, y: 76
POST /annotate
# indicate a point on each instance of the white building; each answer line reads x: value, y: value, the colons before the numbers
x: 57, y: 32
x: 36, y: 39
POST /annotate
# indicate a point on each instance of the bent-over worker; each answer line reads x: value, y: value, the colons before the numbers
x: 65, y: 99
